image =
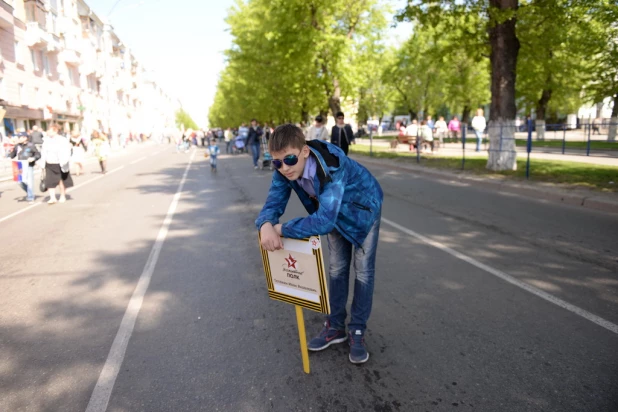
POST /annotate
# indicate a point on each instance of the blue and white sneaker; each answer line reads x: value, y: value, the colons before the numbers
x: 358, y: 351
x: 327, y: 337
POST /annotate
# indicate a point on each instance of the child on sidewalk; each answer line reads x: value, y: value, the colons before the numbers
x: 344, y: 202
x: 213, y: 151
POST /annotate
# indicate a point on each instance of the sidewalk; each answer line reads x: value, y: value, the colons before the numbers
x: 6, y: 171
x: 606, y: 202
x: 455, y: 150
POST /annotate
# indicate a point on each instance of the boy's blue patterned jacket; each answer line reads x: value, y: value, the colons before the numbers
x: 350, y: 198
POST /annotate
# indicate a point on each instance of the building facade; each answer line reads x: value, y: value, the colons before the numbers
x: 60, y: 63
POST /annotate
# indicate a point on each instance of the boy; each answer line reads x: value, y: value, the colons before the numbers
x: 344, y: 201
x: 25, y: 150
x: 213, y: 151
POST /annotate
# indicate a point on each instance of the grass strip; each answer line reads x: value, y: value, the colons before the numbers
x: 597, y: 177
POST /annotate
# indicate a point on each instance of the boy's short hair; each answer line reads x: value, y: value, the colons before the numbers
x: 339, y: 114
x: 286, y: 135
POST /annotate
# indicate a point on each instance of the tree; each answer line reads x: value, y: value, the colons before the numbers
x: 500, y: 17
x: 184, y: 120
x: 557, y: 37
x: 603, y: 78
x: 291, y: 58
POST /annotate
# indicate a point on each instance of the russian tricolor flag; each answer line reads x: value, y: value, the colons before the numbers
x: 18, y: 170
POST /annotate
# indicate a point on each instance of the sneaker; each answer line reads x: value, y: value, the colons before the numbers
x: 255, y: 167
x: 327, y: 337
x: 358, y: 351
x: 62, y: 199
x: 30, y: 202
x: 51, y: 201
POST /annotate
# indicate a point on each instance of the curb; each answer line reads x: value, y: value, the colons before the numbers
x: 589, y: 201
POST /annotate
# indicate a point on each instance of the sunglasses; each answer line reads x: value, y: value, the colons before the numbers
x: 289, y: 160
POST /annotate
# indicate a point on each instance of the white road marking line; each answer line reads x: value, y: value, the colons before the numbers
x: 103, y: 389
x: 138, y: 160
x: 69, y: 190
x: 504, y: 276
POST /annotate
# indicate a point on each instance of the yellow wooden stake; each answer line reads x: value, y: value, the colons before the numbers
x: 303, y: 338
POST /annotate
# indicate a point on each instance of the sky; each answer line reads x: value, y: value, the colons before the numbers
x: 183, y: 42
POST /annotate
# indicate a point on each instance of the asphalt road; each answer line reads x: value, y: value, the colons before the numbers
x: 446, y: 332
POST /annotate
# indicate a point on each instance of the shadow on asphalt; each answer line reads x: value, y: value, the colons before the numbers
x: 209, y: 338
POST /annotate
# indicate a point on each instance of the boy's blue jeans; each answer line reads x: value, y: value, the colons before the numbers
x: 341, y: 257
x: 28, y: 183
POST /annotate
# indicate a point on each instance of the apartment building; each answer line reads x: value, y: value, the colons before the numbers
x: 61, y: 63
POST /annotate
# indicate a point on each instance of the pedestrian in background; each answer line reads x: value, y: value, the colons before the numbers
x: 429, y: 123
x: 479, y: 124
x: 254, y: 140
x: 78, y: 151
x: 56, y: 156
x: 426, y: 135
x: 27, y: 152
x: 228, y: 137
x: 412, y: 134
x: 101, y: 149
x: 213, y: 152
x: 341, y: 134
x: 454, y: 126
x: 37, y: 137
x: 441, y: 129
x: 317, y: 131
x: 344, y: 202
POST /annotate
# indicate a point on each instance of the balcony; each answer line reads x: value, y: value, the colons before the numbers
x: 6, y: 15
x: 69, y: 56
x: 36, y: 35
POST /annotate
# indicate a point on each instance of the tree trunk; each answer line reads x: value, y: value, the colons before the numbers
x: 504, y: 51
x: 541, y: 111
x: 465, y: 115
x: 613, y: 122
x: 334, y: 101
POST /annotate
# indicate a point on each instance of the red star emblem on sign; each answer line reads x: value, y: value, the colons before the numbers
x: 291, y: 261
x: 314, y: 242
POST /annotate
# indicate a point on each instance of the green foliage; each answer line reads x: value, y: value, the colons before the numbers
x: 183, y: 119
x: 292, y: 58
x: 441, y: 67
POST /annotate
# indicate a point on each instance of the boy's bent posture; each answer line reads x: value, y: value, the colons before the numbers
x: 344, y: 201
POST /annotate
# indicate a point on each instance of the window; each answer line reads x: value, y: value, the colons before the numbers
x: 35, y: 62
x: 18, y: 56
x: 22, y: 93
x: 54, y: 19
x: 30, y: 13
x: 45, y: 63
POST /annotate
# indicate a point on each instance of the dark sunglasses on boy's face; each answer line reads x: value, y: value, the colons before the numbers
x: 289, y: 160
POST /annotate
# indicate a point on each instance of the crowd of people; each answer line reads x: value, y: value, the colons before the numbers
x: 57, y: 154
x: 425, y: 135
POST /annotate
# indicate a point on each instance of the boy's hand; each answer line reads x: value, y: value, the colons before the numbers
x: 270, y: 238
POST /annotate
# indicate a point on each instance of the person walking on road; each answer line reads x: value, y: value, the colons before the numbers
x: 341, y: 133
x: 56, y: 156
x: 78, y: 151
x: 317, y: 131
x: 26, y: 151
x: 479, y: 124
x: 101, y: 149
x: 213, y: 152
x: 344, y: 202
x: 37, y: 137
x: 253, y: 141
x: 229, y: 138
